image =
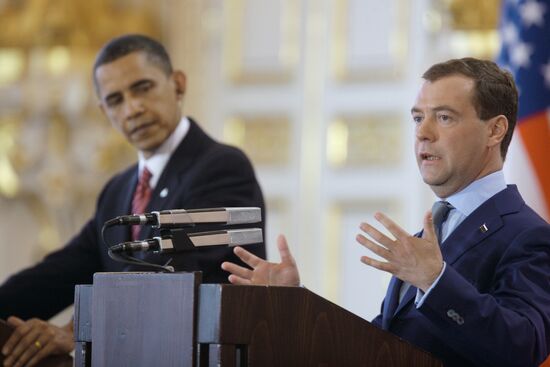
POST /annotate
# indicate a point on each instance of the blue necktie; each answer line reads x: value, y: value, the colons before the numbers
x: 440, y: 212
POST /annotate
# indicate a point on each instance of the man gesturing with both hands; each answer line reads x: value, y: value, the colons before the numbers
x: 473, y: 287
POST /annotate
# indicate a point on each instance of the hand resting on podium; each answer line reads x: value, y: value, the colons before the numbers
x: 33, y: 340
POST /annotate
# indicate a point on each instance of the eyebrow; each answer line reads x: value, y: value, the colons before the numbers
x: 436, y: 109
x: 134, y: 85
x: 140, y: 82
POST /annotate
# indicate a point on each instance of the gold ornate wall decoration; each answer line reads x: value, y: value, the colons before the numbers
x: 87, y: 24
x: 474, y: 15
x: 9, y: 181
x: 360, y: 53
x: 470, y: 26
x: 11, y: 65
x: 265, y: 139
x: 267, y: 53
x: 56, y: 149
x: 363, y: 141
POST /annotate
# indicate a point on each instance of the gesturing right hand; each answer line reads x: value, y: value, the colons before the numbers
x: 264, y: 272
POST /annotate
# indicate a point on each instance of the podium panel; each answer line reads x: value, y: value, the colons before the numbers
x: 292, y: 326
x: 142, y: 319
x: 146, y: 319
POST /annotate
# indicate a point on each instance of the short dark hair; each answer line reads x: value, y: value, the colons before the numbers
x: 495, y: 91
x: 130, y: 43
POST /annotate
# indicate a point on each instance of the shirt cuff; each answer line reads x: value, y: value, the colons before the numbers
x: 421, y: 296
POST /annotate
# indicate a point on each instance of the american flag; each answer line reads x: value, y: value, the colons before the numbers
x: 525, y: 51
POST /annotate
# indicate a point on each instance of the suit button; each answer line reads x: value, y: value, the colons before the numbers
x: 455, y: 316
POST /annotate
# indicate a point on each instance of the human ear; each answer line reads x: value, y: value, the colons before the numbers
x: 180, y: 81
x: 498, y: 126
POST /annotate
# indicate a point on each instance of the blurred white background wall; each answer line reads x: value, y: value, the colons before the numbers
x: 317, y: 93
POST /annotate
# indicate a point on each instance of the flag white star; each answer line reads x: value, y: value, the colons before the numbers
x: 520, y: 54
x: 509, y: 33
x: 532, y: 12
x: 545, y: 69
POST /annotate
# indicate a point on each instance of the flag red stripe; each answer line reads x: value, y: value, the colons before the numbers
x: 535, y: 133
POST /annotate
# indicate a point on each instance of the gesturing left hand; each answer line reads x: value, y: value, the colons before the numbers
x: 409, y: 258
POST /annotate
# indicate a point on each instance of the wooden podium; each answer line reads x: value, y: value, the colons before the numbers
x: 148, y: 319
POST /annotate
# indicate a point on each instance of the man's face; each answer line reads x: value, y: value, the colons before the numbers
x: 140, y: 100
x: 452, y: 144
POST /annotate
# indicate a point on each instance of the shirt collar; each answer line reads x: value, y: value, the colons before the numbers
x: 472, y: 196
x: 156, y: 163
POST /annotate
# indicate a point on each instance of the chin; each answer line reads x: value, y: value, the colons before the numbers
x: 433, y: 181
x: 149, y: 144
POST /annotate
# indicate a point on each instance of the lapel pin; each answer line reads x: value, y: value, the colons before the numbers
x: 483, y: 228
x: 164, y: 192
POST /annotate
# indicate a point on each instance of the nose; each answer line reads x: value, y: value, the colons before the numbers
x: 133, y: 107
x: 426, y: 130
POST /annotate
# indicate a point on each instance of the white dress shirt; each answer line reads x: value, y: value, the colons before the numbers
x: 156, y: 163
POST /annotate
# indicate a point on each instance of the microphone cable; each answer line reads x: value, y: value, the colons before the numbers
x: 126, y: 258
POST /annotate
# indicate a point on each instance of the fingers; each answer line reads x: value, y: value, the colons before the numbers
x: 21, y: 329
x: 391, y: 226
x: 248, y: 258
x: 238, y: 271
x: 47, y: 348
x: 33, y: 340
x: 378, y: 236
x: 284, y: 251
x: 25, y: 341
x: 429, y: 228
x: 235, y: 279
x: 380, y: 265
x: 378, y: 250
x: 18, y: 333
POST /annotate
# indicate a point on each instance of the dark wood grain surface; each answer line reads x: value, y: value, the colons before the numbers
x: 291, y: 326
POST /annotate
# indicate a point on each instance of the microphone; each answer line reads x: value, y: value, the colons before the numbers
x: 177, y: 218
x: 181, y: 241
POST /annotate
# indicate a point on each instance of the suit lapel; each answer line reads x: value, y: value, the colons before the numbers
x: 478, y: 226
x: 123, y: 206
x: 169, y: 182
x: 407, y: 298
x: 481, y: 224
x: 467, y: 235
x: 391, y: 301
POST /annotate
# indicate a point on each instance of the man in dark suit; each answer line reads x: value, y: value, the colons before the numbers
x: 473, y: 287
x: 179, y: 167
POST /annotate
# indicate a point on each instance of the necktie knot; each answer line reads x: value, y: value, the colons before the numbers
x: 440, y: 212
x: 145, y: 177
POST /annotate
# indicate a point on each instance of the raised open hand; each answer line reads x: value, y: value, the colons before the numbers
x: 264, y: 272
x: 410, y: 258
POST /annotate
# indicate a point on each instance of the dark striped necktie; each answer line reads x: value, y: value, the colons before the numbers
x: 142, y: 195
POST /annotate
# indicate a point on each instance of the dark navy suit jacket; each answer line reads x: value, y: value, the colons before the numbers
x: 201, y: 173
x: 491, y: 307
